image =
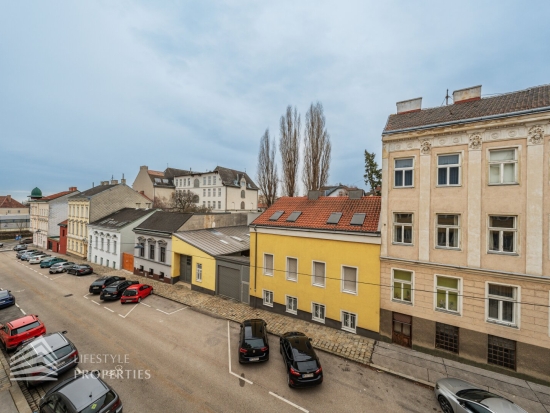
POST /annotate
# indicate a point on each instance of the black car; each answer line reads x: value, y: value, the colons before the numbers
x: 98, y: 285
x: 114, y: 291
x: 302, y: 364
x: 6, y: 298
x: 81, y: 393
x: 253, y: 342
x: 81, y: 269
x: 44, y: 359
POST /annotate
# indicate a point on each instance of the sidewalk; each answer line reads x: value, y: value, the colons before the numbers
x: 12, y: 399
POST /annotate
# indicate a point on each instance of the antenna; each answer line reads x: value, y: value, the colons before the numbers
x: 447, y: 98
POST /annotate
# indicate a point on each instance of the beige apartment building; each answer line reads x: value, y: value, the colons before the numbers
x: 465, y: 254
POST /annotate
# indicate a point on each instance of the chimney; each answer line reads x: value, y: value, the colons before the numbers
x: 8, y: 197
x: 123, y: 180
x: 467, y: 95
x: 72, y: 188
x: 314, y: 195
x: 144, y: 167
x: 114, y: 181
x: 355, y: 193
x: 104, y: 182
x: 411, y: 105
x: 142, y: 192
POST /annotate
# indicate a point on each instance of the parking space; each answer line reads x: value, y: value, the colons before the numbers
x: 11, y: 313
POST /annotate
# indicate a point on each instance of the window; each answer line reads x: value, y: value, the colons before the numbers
x: 402, y: 286
x: 101, y: 261
x: 161, y: 275
x: 447, y: 231
x: 268, y: 298
x: 318, y: 312
x: 209, y: 180
x: 162, y: 254
x: 403, y: 169
x: 107, y: 263
x: 318, y: 278
x: 349, y: 280
x: 243, y: 195
x: 208, y: 204
x: 102, y: 242
x: 141, y: 269
x: 219, y: 192
x: 204, y: 204
x: 214, y: 180
x: 242, y: 205
x: 349, y: 321
x: 448, y: 170
x: 502, y: 234
x: 446, y: 337
x: 402, y: 228
x: 108, y: 245
x: 151, y: 272
x: 268, y: 264
x: 291, y: 305
x: 196, y: 183
x: 209, y: 191
x: 203, y: 192
x: 151, y: 251
x: 219, y: 204
x: 96, y: 238
x: 501, y: 352
x: 199, y: 272
x: 204, y: 180
x: 502, y: 303
x: 95, y: 259
x: 142, y: 249
x: 114, y: 247
x: 292, y: 269
x: 448, y: 291
x: 114, y: 265
x: 503, y: 166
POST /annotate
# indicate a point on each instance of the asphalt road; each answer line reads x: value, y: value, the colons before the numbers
x: 162, y: 356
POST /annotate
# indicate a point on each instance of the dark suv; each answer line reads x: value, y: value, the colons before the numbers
x: 302, y: 364
x: 114, y: 291
x: 81, y: 393
x: 98, y: 285
x: 253, y: 343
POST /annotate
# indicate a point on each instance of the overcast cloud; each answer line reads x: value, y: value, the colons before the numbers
x: 92, y: 89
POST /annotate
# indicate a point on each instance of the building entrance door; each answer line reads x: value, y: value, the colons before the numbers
x: 185, y: 268
x: 402, y: 329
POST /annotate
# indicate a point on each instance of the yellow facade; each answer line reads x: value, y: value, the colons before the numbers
x: 77, y: 234
x: 207, y: 262
x: 349, y: 251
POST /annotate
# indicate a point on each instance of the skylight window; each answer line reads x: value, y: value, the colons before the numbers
x: 224, y: 241
x: 276, y: 215
x: 358, y: 219
x: 334, y: 218
x: 294, y: 216
x: 237, y: 238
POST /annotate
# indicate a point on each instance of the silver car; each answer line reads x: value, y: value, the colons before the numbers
x: 60, y: 267
x: 458, y: 396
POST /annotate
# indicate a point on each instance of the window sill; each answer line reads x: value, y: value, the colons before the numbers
x: 403, y: 244
x: 501, y: 323
x: 199, y: 281
x: 449, y: 186
x: 290, y: 279
x: 291, y: 311
x: 438, y: 247
x: 349, y: 330
x: 268, y: 304
x: 269, y: 275
x: 319, y: 285
x: 511, y: 254
x: 318, y: 320
x: 349, y: 292
x: 403, y: 187
x: 442, y: 310
x: 504, y: 184
x: 402, y: 302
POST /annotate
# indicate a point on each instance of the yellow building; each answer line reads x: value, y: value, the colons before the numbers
x: 318, y: 259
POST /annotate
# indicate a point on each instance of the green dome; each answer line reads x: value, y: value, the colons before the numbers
x: 36, y: 193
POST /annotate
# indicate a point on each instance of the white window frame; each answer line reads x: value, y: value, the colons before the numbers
x: 396, y: 224
x: 447, y: 167
x: 517, y: 306
x: 313, y: 274
x: 342, y: 318
x: 501, y: 230
x: 402, y: 170
x: 287, y: 276
x: 198, y: 275
x: 288, y: 309
x: 219, y: 204
x: 214, y: 180
x: 268, y: 294
x: 459, y: 293
x: 342, y: 289
x: 270, y: 274
x: 447, y: 227
x: 313, y: 317
x: 396, y: 300
x: 515, y: 162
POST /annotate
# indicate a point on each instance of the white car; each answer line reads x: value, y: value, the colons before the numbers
x: 35, y: 259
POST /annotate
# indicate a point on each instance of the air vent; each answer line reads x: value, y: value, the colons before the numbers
x: 334, y: 218
x: 294, y: 216
x: 276, y: 215
x: 358, y: 219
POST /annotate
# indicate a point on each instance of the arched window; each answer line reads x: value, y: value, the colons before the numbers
x: 196, y: 183
x: 242, y: 205
x: 243, y: 194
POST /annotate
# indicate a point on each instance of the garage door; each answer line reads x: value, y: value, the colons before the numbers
x: 229, y: 282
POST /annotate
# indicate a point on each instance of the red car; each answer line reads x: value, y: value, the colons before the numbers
x: 15, y: 332
x: 134, y: 293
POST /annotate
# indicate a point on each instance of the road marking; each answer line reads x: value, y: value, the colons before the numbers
x: 86, y: 296
x: 124, y: 316
x: 17, y: 305
x: 289, y: 402
x: 172, y: 311
x: 145, y: 304
x: 107, y: 308
x: 229, y: 353
x: 56, y: 277
x: 95, y: 302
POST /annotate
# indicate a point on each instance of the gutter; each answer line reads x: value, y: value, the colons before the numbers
x: 301, y: 229
x: 471, y: 120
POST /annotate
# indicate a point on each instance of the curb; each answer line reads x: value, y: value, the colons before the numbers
x: 19, y: 399
x: 404, y: 376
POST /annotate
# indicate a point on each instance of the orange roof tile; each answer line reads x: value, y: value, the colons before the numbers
x: 157, y: 173
x: 6, y: 201
x: 55, y: 196
x: 315, y: 213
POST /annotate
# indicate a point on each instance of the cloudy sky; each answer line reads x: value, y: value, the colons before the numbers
x: 91, y: 89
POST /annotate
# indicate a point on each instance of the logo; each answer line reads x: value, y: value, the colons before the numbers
x: 35, y: 361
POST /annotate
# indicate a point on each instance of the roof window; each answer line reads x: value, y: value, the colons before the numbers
x: 294, y: 216
x: 334, y: 218
x: 276, y: 215
x: 358, y: 219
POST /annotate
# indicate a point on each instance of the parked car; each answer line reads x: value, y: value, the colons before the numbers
x: 29, y: 255
x: 98, y: 285
x: 81, y: 269
x: 134, y: 293
x: 114, y: 291
x: 6, y: 298
x: 1, y: 244
x: 84, y: 392
x: 253, y: 342
x: 12, y: 334
x: 44, y: 359
x: 20, y: 247
x: 49, y: 262
x: 37, y: 259
x: 458, y: 396
x: 302, y: 364
x: 61, y: 267
x: 26, y: 241
x: 26, y: 253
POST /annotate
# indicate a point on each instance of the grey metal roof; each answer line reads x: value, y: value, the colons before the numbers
x: 121, y: 218
x: 92, y: 191
x: 162, y: 221
x: 218, y: 241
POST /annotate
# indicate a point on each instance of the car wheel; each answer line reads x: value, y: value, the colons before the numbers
x: 445, y: 405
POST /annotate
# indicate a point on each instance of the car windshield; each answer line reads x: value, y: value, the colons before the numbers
x: 3, y: 294
x: 99, y: 282
x: 100, y: 403
x: 476, y: 395
x: 62, y: 352
x: 306, y: 365
x: 254, y: 342
x: 130, y: 293
x: 25, y: 328
x: 110, y: 288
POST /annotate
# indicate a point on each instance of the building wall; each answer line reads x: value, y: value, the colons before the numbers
x: 62, y: 240
x: 58, y: 212
x: 156, y: 265
x: 208, y: 263
x: 202, y: 221
x: 78, y: 213
x: 143, y: 183
x: 234, y: 196
x: 39, y: 223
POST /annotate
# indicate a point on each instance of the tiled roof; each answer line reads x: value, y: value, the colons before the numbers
x: 63, y: 223
x: 159, y: 179
x: 315, y: 213
x: 162, y: 221
x: 6, y: 201
x: 232, y: 177
x: 155, y: 173
x: 218, y: 241
x: 121, y: 218
x: 533, y: 98
x: 92, y: 191
x: 173, y: 172
x: 55, y: 196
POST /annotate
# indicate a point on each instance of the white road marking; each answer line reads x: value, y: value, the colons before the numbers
x: 289, y: 402
x: 95, y: 302
x: 17, y: 305
x: 107, y: 308
x: 86, y: 296
x: 145, y: 304
x: 172, y: 311
x: 56, y: 277
x: 229, y: 354
x: 127, y: 314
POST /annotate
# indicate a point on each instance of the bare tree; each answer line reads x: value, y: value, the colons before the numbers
x: 162, y: 203
x: 267, y: 169
x: 185, y: 201
x: 317, y: 149
x: 289, y: 145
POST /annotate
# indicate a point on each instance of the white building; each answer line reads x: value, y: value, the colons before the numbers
x: 223, y: 189
x: 111, y: 236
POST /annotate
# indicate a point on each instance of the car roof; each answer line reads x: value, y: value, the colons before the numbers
x: 301, y: 347
x: 133, y: 286
x: 498, y: 404
x: 4, y: 292
x: 54, y: 340
x: 23, y: 321
x: 84, y: 390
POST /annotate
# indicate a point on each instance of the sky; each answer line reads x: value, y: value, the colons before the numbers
x: 93, y: 89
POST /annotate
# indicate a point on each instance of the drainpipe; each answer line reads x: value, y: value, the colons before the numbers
x: 255, y: 261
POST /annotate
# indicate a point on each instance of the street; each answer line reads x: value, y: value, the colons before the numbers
x: 162, y: 356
